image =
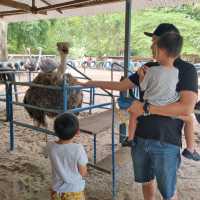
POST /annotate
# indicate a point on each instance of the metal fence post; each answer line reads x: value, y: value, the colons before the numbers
x: 126, y: 53
x: 10, y: 117
x: 113, y: 151
x: 15, y: 88
x: 65, y: 93
x: 91, y: 99
x: 7, y: 102
x: 29, y: 76
x: 93, y: 96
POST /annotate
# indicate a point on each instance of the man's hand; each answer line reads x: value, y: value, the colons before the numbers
x: 136, y: 108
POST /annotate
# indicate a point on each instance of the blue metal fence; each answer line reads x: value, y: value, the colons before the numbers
x: 65, y: 89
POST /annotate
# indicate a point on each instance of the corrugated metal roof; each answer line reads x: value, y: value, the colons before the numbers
x: 88, y: 10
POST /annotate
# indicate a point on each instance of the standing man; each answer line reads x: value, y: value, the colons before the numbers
x: 156, y: 149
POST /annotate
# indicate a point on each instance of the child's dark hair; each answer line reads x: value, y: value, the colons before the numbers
x: 172, y: 42
x: 66, y: 126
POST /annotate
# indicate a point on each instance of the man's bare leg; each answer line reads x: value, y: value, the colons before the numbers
x: 149, y: 190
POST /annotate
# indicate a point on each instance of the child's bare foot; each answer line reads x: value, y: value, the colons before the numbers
x: 193, y: 155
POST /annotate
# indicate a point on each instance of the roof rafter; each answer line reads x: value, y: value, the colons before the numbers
x: 16, y: 4
x: 80, y: 8
x: 18, y: 12
x: 47, y: 3
x: 65, y: 5
x: 75, y: 3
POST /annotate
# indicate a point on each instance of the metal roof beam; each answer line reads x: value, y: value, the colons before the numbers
x: 47, y: 3
x: 16, y: 4
x: 62, y: 5
x: 66, y: 5
x: 75, y: 3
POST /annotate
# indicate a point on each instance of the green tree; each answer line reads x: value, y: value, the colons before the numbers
x: 27, y: 34
x: 104, y: 34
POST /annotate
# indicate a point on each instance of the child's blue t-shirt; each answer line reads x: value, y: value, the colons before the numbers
x: 65, y: 159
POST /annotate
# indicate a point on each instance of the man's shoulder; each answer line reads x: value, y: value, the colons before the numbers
x: 179, y: 63
x: 188, y: 78
x: 152, y: 64
x: 183, y: 65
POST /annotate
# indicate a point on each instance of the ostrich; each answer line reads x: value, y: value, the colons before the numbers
x: 47, y: 65
x: 29, y: 64
x: 50, y: 98
x: 32, y: 64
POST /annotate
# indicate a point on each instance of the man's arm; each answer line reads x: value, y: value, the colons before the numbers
x: 126, y: 84
x: 185, y: 106
x: 110, y: 85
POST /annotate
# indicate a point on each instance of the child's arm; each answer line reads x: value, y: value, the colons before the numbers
x: 82, y: 162
x: 82, y: 170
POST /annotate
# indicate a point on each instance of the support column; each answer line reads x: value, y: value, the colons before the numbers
x: 3, y: 41
x: 127, y: 37
x: 122, y: 127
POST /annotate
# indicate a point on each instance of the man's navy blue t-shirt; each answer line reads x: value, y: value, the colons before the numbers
x: 167, y: 129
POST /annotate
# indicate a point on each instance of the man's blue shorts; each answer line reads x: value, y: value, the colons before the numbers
x: 153, y: 159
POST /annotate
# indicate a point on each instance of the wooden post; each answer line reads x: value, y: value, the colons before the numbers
x: 3, y: 41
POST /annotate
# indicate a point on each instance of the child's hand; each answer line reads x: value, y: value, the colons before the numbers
x: 141, y: 72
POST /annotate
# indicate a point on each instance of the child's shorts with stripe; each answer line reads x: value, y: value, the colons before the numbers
x: 67, y: 196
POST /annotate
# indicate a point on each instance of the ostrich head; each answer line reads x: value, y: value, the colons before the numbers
x: 63, y: 51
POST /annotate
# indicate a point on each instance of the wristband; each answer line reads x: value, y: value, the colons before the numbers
x: 146, y: 108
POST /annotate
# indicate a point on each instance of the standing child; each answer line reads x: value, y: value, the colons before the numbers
x: 68, y: 160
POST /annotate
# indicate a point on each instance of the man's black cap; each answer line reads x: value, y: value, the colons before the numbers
x: 161, y: 29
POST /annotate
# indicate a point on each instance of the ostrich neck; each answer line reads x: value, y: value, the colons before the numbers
x: 62, y: 67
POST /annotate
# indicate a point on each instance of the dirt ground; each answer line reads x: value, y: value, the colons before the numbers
x: 25, y: 173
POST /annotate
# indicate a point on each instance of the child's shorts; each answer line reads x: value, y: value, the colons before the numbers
x: 125, y: 102
x: 67, y: 196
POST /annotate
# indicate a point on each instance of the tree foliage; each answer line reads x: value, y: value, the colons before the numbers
x: 27, y: 34
x: 104, y: 34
